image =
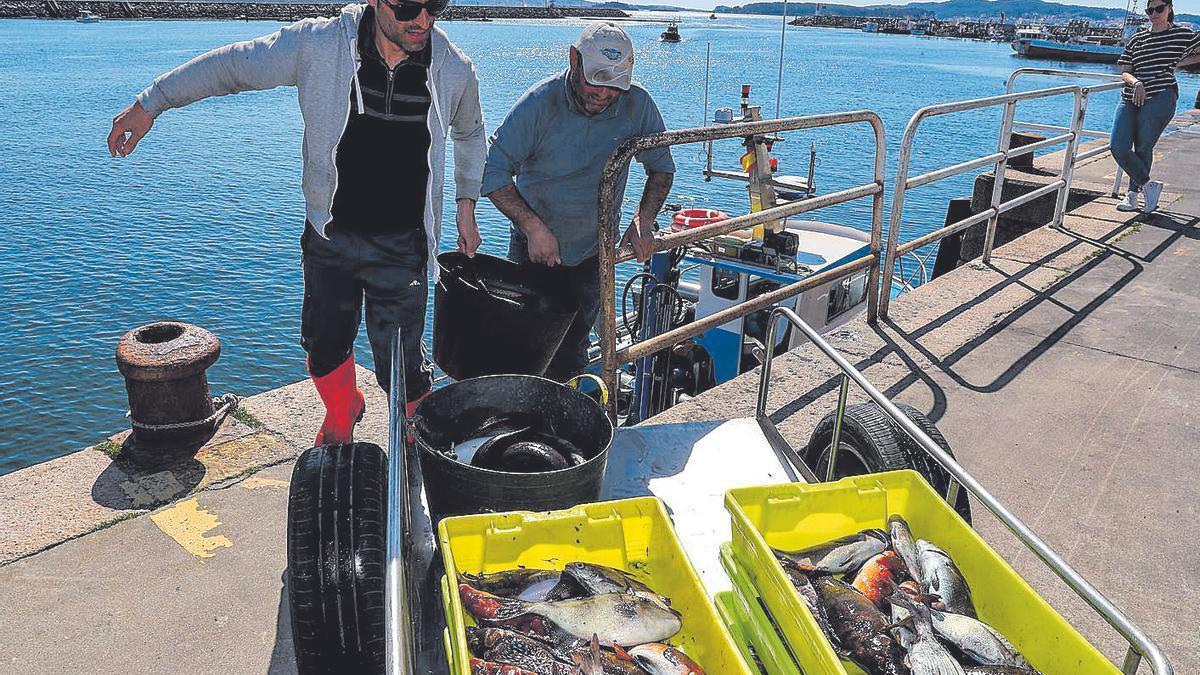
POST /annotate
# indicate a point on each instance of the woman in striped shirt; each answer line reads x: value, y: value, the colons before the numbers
x: 1149, y: 97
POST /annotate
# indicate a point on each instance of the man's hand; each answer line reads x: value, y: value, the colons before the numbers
x: 641, y: 236
x: 468, y: 229
x: 543, y: 246
x: 135, y: 122
x: 1139, y: 94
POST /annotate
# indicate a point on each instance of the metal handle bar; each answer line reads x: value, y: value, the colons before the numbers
x: 398, y: 617
x: 1140, y: 644
x: 608, y: 211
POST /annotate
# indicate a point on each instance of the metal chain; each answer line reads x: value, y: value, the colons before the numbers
x: 223, y: 404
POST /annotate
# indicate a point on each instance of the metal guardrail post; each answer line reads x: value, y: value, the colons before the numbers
x: 1068, y: 166
x: 398, y: 614
x: 989, y: 240
x: 1141, y: 646
x: 835, y: 443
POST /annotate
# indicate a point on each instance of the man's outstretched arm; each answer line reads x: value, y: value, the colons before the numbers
x: 263, y: 63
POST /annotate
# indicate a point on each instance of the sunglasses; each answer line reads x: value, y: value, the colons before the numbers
x: 1157, y: 9
x: 406, y: 10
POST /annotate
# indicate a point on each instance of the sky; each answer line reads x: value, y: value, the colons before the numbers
x: 1181, y: 6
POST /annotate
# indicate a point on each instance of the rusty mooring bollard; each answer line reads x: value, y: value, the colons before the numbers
x: 164, y: 366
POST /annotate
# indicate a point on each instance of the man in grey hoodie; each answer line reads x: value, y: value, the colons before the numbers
x: 380, y: 90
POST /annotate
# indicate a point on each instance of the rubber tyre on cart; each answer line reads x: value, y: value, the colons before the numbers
x: 927, y: 466
x: 868, y: 443
x: 336, y: 548
x: 871, y: 442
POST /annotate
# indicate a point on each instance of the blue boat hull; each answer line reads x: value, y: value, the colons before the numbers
x: 1066, y: 51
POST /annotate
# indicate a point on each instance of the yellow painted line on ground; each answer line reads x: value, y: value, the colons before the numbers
x: 256, y: 482
x: 188, y: 525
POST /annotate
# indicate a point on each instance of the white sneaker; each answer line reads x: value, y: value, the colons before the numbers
x: 1130, y: 203
x: 1153, y: 191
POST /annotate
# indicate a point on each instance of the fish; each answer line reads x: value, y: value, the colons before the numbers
x: 999, y: 670
x: 599, y: 579
x: 904, y: 546
x: 877, y: 578
x: 517, y: 583
x: 841, y: 555
x: 557, y: 640
x: 481, y: 667
x: 592, y: 660
x: 976, y: 640
x: 862, y: 629
x: 941, y: 577
x: 497, y: 645
x: 805, y: 588
x: 926, y: 655
x: 657, y: 658
x: 618, y: 618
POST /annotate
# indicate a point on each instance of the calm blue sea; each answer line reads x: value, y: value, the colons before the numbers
x: 202, y: 223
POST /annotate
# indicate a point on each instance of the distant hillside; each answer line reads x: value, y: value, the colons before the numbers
x: 952, y: 9
x: 625, y: 6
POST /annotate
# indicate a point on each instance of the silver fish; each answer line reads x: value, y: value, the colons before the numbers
x: 617, y: 618
x: 904, y: 546
x: 843, y: 555
x: 599, y: 579
x: 657, y: 658
x: 940, y: 577
x: 502, y: 646
x: 903, y: 633
x: 999, y: 670
x: 525, y: 583
x: 976, y: 640
x: 926, y: 656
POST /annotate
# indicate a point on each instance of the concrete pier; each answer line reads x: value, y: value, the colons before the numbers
x: 1064, y: 376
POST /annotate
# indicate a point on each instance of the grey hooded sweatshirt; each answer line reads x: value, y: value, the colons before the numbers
x: 320, y: 58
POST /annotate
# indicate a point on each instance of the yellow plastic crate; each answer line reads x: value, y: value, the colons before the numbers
x: 795, y: 516
x: 775, y: 655
x: 631, y: 534
x: 731, y: 615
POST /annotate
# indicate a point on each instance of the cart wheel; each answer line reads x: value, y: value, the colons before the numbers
x: 868, y: 443
x: 337, y: 541
x: 927, y: 466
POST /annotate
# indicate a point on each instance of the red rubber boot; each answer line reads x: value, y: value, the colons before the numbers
x: 344, y: 404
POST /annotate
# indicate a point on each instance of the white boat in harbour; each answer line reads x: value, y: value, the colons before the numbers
x: 86, y: 16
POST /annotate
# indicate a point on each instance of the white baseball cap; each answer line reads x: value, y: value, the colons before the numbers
x: 607, y: 55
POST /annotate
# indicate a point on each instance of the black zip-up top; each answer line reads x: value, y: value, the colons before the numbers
x: 383, y: 155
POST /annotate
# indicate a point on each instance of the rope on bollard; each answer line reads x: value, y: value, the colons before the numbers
x: 223, y: 405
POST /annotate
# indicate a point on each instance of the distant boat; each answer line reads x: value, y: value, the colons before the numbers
x: 1092, y: 48
x: 713, y: 15
x: 671, y: 34
x: 87, y: 17
x: 870, y: 27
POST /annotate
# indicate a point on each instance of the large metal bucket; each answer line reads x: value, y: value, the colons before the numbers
x: 451, y: 415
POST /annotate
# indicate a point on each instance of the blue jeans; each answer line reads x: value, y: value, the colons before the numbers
x: 1135, y: 131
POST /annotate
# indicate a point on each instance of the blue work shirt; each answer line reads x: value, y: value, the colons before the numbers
x: 557, y: 153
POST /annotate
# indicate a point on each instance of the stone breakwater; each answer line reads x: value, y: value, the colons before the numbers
x: 111, y: 9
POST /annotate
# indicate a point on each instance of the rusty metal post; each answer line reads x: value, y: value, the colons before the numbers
x: 164, y: 366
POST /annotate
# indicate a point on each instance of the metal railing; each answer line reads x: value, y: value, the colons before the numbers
x: 609, y: 215
x: 1070, y: 135
x: 1140, y: 645
x: 1114, y: 83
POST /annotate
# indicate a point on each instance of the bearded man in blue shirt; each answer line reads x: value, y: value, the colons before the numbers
x: 543, y: 173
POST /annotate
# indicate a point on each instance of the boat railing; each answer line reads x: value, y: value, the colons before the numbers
x: 1111, y: 82
x: 609, y: 220
x: 998, y: 160
x: 1140, y: 645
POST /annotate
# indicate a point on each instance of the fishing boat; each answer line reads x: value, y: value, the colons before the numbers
x: 86, y: 16
x: 870, y: 27
x: 1091, y: 48
x: 671, y: 34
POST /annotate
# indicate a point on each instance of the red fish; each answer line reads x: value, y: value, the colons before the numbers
x: 877, y: 578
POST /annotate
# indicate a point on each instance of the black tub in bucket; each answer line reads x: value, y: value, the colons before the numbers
x: 450, y: 415
x: 493, y: 316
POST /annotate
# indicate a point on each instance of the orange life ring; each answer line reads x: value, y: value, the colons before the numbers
x: 688, y: 218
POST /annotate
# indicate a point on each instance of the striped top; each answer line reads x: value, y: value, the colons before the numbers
x: 1154, y: 56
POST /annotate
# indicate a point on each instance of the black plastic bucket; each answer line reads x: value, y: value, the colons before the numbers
x: 451, y: 414
x: 493, y: 316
